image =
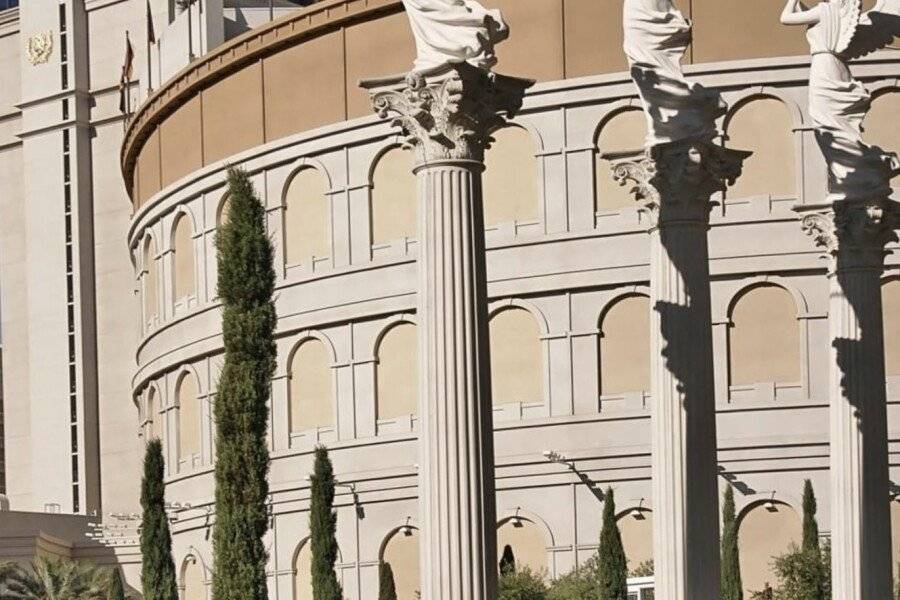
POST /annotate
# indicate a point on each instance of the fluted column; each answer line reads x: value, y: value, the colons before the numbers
x: 675, y: 182
x: 447, y: 116
x: 853, y: 235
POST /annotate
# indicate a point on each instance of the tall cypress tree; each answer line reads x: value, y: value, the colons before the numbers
x: 387, y: 589
x: 157, y: 568
x: 246, y: 284
x: 815, y: 586
x: 612, y: 564
x: 116, y: 589
x: 322, y: 524
x: 507, y: 561
x: 810, y: 526
x: 732, y: 586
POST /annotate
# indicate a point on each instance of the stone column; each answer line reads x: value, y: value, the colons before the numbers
x: 853, y: 235
x: 447, y: 117
x: 674, y: 182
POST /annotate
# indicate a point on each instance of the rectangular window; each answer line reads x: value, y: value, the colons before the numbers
x: 6, y: 4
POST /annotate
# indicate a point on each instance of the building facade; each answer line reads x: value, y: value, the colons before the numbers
x: 111, y: 321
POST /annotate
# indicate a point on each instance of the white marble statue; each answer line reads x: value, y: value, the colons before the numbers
x: 838, y: 31
x: 454, y: 31
x: 656, y: 37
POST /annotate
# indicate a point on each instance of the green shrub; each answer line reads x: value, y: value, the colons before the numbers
x: 582, y: 583
x: 613, y: 566
x: 507, y: 560
x: 732, y: 588
x: 322, y: 525
x: 522, y: 584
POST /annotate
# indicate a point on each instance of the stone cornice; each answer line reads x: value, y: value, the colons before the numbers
x: 317, y: 19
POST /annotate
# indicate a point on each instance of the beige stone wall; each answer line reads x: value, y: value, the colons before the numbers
x: 188, y: 417
x: 312, y: 394
x: 625, y: 347
x: 151, y: 281
x: 762, y: 535
x: 516, y: 357
x: 402, y: 552
x: 527, y: 541
x: 882, y: 127
x: 397, y: 373
x: 307, y: 219
x: 510, y: 178
x: 394, y: 207
x: 624, y: 131
x: 192, y: 581
x: 764, y: 340
x: 763, y: 126
x: 890, y: 294
x: 637, y: 537
x: 302, y: 578
x: 183, y: 249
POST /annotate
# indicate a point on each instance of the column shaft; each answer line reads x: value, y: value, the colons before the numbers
x: 456, y: 474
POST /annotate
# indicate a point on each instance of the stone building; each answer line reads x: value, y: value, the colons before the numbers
x: 111, y: 322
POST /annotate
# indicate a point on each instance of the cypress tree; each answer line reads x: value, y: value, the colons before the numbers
x: 246, y: 284
x: 732, y: 587
x: 507, y: 561
x: 387, y: 590
x: 157, y: 567
x: 613, y: 567
x: 810, y: 526
x: 116, y: 589
x: 322, y: 524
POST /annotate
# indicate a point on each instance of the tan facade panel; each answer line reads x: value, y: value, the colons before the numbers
x: 382, y: 46
x: 527, y: 541
x: 148, y: 169
x: 738, y: 29
x: 397, y: 371
x: 302, y: 573
x: 188, y: 418
x: 890, y: 294
x: 185, y: 285
x: 192, y: 580
x: 764, y: 127
x: 312, y: 397
x: 625, y: 347
x: 233, y: 114
x: 510, y: 180
x: 765, y: 533
x: 307, y: 219
x: 304, y: 86
x: 764, y: 341
x: 181, y: 152
x: 394, y: 206
x: 636, y: 528
x: 626, y: 130
x: 535, y: 49
x: 593, y: 30
x: 402, y: 552
x: 882, y: 127
x: 516, y: 358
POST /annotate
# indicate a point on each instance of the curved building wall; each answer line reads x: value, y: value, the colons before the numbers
x: 568, y: 283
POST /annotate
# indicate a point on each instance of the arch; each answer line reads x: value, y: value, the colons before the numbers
x: 881, y: 127
x: 764, y: 337
x: 537, y: 313
x: 152, y: 413
x: 765, y: 530
x: 396, y: 371
x: 763, y: 124
x: 890, y: 299
x: 307, y: 217
x: 622, y: 129
x: 193, y: 578
x: 223, y: 209
x: 183, y: 274
x: 400, y: 549
x: 517, y: 357
x: 301, y: 566
x: 187, y: 395
x: 527, y: 540
x: 636, y: 528
x: 311, y: 395
x: 151, y: 280
x: 394, y: 206
x: 511, y: 178
x: 624, y: 345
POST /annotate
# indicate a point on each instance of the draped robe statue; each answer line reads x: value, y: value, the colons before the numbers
x: 656, y: 38
x: 839, y: 32
x: 454, y: 31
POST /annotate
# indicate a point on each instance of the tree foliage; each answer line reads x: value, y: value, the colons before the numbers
x: 322, y: 525
x: 54, y: 579
x: 157, y: 568
x: 613, y: 566
x: 522, y: 584
x: 246, y: 283
x: 387, y: 588
x: 732, y: 587
x: 507, y: 560
x: 810, y: 526
x: 116, y: 588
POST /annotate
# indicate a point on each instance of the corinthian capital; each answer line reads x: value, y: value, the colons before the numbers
x: 675, y: 181
x: 449, y: 113
x: 852, y: 234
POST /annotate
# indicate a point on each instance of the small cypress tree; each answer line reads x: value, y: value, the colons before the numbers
x: 116, y: 590
x: 732, y: 586
x: 613, y: 567
x: 322, y: 524
x: 810, y: 526
x: 157, y: 567
x: 246, y: 284
x: 387, y: 589
x: 507, y: 561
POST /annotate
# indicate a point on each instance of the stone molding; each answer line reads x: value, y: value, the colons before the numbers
x: 852, y: 233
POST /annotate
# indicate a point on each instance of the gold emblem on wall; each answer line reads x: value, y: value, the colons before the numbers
x: 39, y: 47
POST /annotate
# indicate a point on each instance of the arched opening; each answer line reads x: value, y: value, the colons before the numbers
x: 890, y: 298
x: 517, y: 368
x: 625, y: 347
x: 882, y: 127
x: 402, y: 552
x: 764, y: 340
x: 626, y: 130
x: 307, y: 219
x: 224, y: 211
x: 510, y: 180
x: 394, y: 207
x: 763, y: 125
x: 153, y: 417
x: 311, y: 393
x: 192, y: 580
x: 183, y: 248
x: 527, y: 542
x: 397, y: 373
x: 764, y: 532
x: 187, y: 393
x: 303, y: 573
x: 636, y: 528
x: 151, y: 283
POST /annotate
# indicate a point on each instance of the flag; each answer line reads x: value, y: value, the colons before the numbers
x: 151, y: 32
x: 125, y: 78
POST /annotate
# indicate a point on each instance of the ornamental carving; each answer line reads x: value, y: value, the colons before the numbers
x: 449, y: 114
x: 39, y: 47
x: 852, y: 234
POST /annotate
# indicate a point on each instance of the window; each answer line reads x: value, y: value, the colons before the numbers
x: 517, y: 370
x: 397, y: 373
x: 764, y: 341
x: 311, y: 403
x: 510, y: 180
x: 626, y: 130
x: 625, y: 347
x: 306, y: 219
x: 764, y: 127
x: 394, y: 207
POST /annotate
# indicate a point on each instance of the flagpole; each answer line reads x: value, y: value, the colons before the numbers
x: 127, y: 80
x: 150, y: 34
x: 190, y: 33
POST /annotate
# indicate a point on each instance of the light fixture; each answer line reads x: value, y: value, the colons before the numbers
x: 770, y: 504
x: 407, y: 529
x: 638, y: 511
x: 516, y: 520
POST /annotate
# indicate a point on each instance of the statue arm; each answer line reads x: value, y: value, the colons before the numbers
x: 795, y: 13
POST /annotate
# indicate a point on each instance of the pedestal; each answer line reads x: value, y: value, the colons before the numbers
x: 853, y: 235
x: 675, y: 183
x: 447, y: 117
